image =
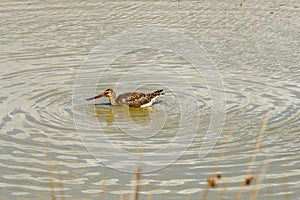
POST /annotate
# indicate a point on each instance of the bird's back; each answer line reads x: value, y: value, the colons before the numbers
x: 136, y: 99
x: 125, y: 98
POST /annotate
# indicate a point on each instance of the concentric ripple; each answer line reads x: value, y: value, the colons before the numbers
x: 254, y: 45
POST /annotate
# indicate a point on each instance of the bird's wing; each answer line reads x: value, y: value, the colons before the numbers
x: 137, y: 99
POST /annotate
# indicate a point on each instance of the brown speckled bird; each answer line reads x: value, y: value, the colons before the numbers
x: 131, y: 99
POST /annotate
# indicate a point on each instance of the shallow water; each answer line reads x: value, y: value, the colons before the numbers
x: 50, y: 134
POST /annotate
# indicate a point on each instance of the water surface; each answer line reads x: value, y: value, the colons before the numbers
x: 255, y: 48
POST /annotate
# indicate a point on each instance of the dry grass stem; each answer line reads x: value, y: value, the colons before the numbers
x: 211, y: 182
x: 149, y: 196
x: 221, y: 156
x: 61, y: 185
x: 205, y: 192
x: 285, y: 180
x: 101, y: 194
x: 51, y: 183
x: 259, y: 180
x: 187, y: 197
x: 137, y: 182
x: 222, y: 194
x: 248, y: 178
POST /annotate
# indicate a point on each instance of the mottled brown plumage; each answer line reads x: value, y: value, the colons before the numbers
x: 131, y: 99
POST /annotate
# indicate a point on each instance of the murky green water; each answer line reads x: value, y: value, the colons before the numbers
x: 50, y: 134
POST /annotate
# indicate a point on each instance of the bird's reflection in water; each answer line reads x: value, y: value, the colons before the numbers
x: 122, y: 114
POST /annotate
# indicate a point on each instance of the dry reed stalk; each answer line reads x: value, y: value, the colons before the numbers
x: 259, y: 180
x: 51, y: 183
x: 149, y: 196
x: 187, y: 197
x: 61, y: 185
x: 211, y: 182
x: 205, y: 192
x: 138, y: 172
x: 285, y: 180
x: 124, y: 197
x: 137, y: 182
x: 221, y: 156
x: 248, y: 178
x: 222, y: 193
x: 101, y: 194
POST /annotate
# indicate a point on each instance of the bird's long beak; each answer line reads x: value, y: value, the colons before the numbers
x: 96, y: 97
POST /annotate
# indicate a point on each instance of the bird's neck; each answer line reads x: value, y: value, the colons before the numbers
x: 112, y: 99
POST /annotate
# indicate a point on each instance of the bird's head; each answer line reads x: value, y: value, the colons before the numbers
x: 107, y: 93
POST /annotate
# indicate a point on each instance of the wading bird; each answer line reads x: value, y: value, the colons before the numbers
x: 131, y: 99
